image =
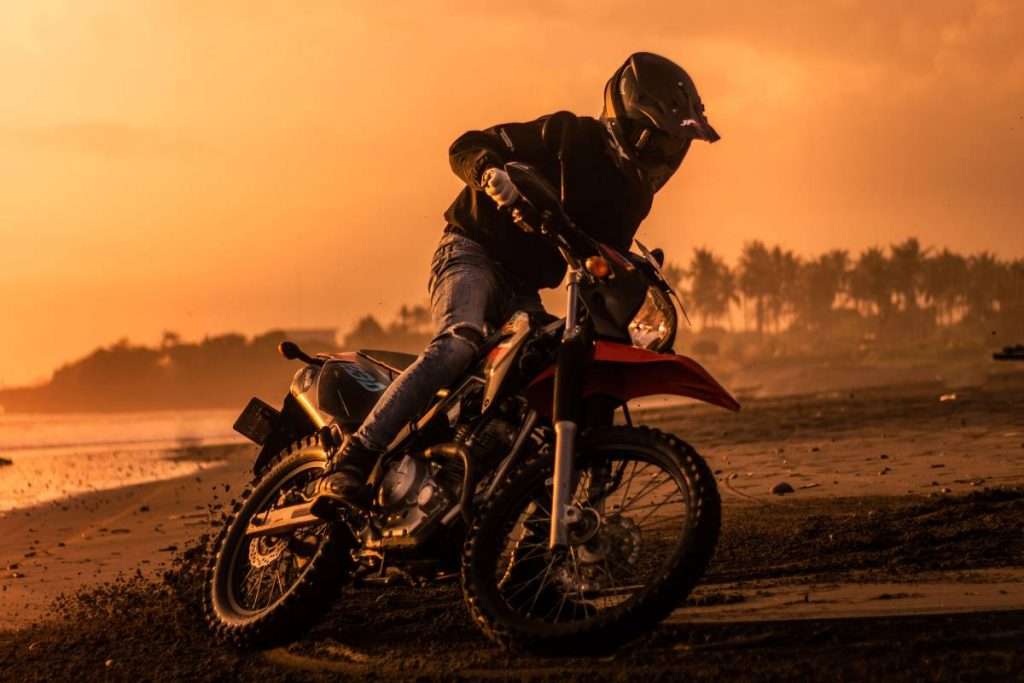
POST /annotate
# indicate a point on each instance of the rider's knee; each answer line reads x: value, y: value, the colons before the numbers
x: 459, y: 343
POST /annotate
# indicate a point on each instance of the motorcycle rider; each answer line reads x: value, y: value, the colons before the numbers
x: 486, y: 268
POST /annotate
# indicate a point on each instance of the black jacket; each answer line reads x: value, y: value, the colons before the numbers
x: 606, y: 198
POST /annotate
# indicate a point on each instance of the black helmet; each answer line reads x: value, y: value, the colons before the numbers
x: 653, y: 111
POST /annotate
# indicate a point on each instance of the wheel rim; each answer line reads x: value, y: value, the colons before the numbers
x: 262, y: 570
x: 632, y: 516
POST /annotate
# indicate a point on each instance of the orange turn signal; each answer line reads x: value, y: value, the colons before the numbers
x: 597, y: 266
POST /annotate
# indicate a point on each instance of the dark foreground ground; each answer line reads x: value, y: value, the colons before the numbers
x: 141, y: 629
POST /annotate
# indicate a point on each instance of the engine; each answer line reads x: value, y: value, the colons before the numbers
x: 413, y: 499
x: 488, y: 445
x: 415, y: 493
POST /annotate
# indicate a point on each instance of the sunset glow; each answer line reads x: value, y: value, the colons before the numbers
x: 237, y: 166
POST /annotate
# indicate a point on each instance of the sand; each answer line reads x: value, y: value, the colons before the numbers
x: 907, y: 509
x: 65, y: 544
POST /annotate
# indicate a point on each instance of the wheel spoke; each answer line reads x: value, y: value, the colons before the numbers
x: 561, y: 605
x: 540, y: 549
x: 543, y: 582
x: 649, y: 487
x: 524, y: 585
x: 259, y: 587
x: 576, y: 571
x: 280, y: 574
x: 665, y: 501
x: 629, y: 482
x: 664, y: 523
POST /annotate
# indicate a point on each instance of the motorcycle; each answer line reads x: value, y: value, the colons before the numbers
x: 570, y: 532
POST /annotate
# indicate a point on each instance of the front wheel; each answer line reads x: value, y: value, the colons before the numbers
x: 267, y: 589
x: 646, y: 517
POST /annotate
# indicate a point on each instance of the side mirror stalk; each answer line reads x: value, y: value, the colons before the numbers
x: 291, y: 351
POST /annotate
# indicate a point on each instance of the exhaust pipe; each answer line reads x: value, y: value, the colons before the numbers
x: 320, y: 509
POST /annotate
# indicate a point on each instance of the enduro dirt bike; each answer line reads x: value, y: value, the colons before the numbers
x: 570, y: 533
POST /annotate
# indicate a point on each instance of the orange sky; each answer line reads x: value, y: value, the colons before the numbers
x: 238, y: 165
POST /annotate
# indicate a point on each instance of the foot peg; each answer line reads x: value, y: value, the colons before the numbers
x: 331, y: 438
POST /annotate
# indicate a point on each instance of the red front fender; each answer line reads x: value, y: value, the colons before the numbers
x: 626, y: 372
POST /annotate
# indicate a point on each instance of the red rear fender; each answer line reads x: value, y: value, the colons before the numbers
x: 625, y: 372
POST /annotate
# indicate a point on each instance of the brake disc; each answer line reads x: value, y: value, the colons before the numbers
x: 615, y: 542
x: 265, y: 550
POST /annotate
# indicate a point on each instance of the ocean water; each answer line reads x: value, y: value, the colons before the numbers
x: 61, y: 455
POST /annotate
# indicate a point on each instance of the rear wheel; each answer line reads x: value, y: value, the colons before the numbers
x: 646, y: 516
x: 267, y: 589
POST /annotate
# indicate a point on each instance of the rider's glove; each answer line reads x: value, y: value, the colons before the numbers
x: 499, y: 187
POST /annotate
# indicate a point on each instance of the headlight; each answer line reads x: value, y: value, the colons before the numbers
x: 654, y: 324
x: 303, y: 380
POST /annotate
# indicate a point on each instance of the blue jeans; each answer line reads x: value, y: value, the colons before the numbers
x: 470, y: 295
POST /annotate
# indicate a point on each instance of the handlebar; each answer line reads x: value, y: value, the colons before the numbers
x: 539, y: 209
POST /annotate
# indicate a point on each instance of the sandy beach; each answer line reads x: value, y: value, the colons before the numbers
x: 906, y: 510
x: 62, y: 545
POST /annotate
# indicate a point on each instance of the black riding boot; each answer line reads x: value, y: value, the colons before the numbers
x: 348, y: 467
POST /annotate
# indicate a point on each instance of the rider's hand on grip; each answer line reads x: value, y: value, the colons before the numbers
x: 499, y: 187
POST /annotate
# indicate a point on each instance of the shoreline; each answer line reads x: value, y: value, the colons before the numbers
x: 57, y: 474
x: 62, y: 545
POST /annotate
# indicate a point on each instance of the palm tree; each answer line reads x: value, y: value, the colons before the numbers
x: 1011, y: 298
x: 821, y: 282
x: 984, y: 273
x: 943, y: 282
x: 713, y: 287
x: 784, y: 285
x: 729, y: 289
x: 838, y: 263
x: 755, y: 278
x: 870, y: 282
x: 906, y: 267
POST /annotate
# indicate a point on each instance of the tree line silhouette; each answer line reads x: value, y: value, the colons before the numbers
x: 221, y: 371
x: 907, y: 289
x: 886, y: 296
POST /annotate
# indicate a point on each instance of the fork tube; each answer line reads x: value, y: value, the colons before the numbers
x: 568, y: 386
x: 565, y: 441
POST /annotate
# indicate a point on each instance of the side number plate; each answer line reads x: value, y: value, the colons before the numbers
x: 257, y: 421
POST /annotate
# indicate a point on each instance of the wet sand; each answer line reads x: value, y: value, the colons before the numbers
x: 899, y: 554
x: 62, y: 545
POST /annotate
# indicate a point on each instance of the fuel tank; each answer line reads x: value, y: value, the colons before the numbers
x: 347, y: 386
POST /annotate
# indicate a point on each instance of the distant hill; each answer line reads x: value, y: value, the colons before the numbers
x: 217, y: 372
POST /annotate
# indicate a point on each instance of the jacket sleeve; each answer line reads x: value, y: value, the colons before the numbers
x: 536, y: 142
x: 473, y: 153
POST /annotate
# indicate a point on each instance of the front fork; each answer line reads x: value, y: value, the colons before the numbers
x: 573, y: 355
